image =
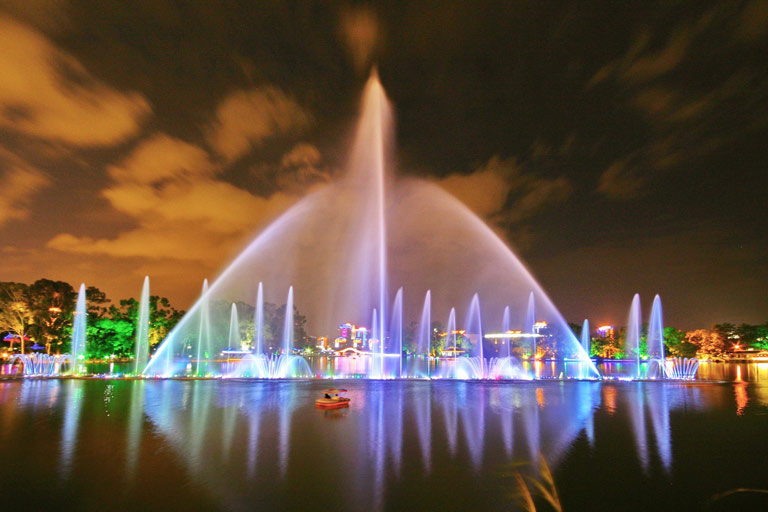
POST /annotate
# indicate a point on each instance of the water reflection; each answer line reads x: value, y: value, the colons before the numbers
x: 73, y: 403
x: 246, y: 441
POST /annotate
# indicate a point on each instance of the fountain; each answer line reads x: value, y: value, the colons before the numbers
x: 505, y: 329
x: 258, y: 322
x: 682, y: 368
x: 425, y: 326
x: 78, y: 331
x: 142, y: 330
x: 204, y: 331
x: 655, y: 342
x: 421, y: 367
x: 585, y: 337
x: 632, y: 347
x: 346, y: 242
x: 233, y: 338
x: 42, y: 365
x: 530, y: 322
x: 282, y: 364
x: 396, y: 329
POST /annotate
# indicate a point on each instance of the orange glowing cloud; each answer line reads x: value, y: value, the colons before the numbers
x: 182, y: 209
x: 245, y: 118
x: 18, y: 183
x: 47, y: 93
x: 500, y: 183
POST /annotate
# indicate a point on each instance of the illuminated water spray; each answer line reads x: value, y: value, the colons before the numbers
x: 332, y: 248
x: 633, y: 333
x: 585, y: 339
x: 142, y: 329
x: 78, y: 330
x: 258, y: 322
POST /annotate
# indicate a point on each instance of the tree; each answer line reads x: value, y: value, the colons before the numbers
x: 52, y: 304
x: 606, y: 348
x: 676, y: 344
x: 15, y: 313
x: 411, y: 338
x: 761, y: 337
x: 97, y: 302
x: 120, y: 322
x: 437, y: 342
x: 706, y: 342
x: 109, y: 336
x: 729, y: 333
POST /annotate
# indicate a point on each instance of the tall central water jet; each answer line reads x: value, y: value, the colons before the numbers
x: 367, y: 177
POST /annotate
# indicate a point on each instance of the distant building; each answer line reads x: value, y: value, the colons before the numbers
x: 351, y: 336
x: 742, y: 355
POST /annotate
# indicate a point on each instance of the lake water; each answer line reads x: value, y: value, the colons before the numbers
x: 401, y: 445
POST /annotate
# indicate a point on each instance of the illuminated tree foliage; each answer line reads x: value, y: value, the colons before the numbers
x: 706, y: 341
x: 15, y: 312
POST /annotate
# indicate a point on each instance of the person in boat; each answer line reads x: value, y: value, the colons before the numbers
x: 327, y: 396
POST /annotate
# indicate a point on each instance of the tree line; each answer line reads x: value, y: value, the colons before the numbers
x: 718, y: 340
x: 39, y: 317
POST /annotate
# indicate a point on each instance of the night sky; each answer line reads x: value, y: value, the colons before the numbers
x: 618, y: 147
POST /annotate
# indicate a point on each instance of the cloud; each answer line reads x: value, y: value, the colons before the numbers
x: 754, y: 21
x: 19, y: 181
x: 47, y: 93
x: 484, y: 191
x: 245, y: 118
x: 183, y: 210
x: 501, y: 192
x: 302, y: 167
x: 641, y: 64
x: 162, y: 158
x: 652, y: 65
x: 618, y: 182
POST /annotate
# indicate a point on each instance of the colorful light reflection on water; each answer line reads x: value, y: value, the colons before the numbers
x: 232, y: 444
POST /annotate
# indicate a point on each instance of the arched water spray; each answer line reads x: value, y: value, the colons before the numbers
x: 258, y: 322
x: 334, y: 207
x: 655, y: 342
x: 633, y: 333
x: 530, y: 322
x: 78, y: 330
x: 142, y: 330
x: 585, y: 337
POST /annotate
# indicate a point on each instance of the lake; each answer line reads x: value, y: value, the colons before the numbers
x: 402, y: 445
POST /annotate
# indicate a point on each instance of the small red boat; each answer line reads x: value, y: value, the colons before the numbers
x: 332, y: 400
